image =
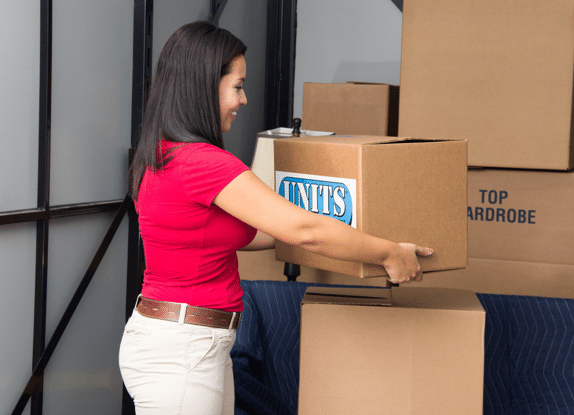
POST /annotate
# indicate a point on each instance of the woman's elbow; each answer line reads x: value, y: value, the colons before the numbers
x: 304, y: 238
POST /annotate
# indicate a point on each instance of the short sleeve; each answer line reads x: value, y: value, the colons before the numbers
x: 206, y: 170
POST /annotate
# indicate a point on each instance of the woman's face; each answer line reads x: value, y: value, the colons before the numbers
x: 231, y: 94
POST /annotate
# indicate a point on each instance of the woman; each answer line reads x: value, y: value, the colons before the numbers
x: 198, y: 205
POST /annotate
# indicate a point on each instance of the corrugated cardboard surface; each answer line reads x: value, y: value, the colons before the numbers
x: 496, y: 73
x: 521, y: 215
x: 408, y: 191
x: 262, y: 265
x: 422, y: 355
x: 494, y: 276
x: 351, y: 108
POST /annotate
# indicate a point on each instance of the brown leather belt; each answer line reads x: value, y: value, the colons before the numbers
x: 183, y: 313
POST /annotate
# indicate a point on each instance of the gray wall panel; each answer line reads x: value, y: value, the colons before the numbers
x: 346, y: 41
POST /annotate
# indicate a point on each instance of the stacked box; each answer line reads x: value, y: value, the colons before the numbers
x: 499, y: 74
x: 354, y: 108
x: 520, y: 234
x: 496, y: 73
x: 423, y: 354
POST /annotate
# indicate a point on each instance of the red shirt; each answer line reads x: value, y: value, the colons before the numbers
x: 190, y: 244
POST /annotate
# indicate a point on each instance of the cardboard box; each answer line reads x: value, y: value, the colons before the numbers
x: 262, y: 265
x: 353, y: 108
x: 496, y: 73
x: 494, y: 276
x: 521, y: 215
x: 400, y: 189
x: 422, y: 355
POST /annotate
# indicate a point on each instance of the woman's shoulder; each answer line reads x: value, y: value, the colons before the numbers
x: 181, y: 151
x: 203, y: 151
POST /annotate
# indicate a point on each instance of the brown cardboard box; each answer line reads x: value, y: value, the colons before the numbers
x: 521, y: 215
x: 262, y: 265
x: 353, y: 108
x: 403, y: 190
x: 422, y: 355
x: 496, y: 73
x: 494, y: 276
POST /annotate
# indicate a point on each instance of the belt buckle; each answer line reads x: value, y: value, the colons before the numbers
x: 233, y: 317
x: 140, y: 296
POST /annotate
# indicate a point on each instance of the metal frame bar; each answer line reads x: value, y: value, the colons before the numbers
x: 216, y: 9
x: 141, y: 82
x: 280, y: 71
x: 36, y: 380
x: 399, y: 4
x: 43, y: 198
x: 60, y: 211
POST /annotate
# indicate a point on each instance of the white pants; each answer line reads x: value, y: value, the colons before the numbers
x: 177, y: 369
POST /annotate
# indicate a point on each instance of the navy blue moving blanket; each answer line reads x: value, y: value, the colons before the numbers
x: 529, y: 352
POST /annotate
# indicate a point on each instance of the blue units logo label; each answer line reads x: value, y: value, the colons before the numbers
x: 329, y: 196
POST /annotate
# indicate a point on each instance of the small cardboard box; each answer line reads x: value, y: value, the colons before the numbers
x: 353, y: 108
x: 496, y: 73
x: 496, y: 276
x: 400, y: 189
x: 521, y: 215
x: 424, y: 354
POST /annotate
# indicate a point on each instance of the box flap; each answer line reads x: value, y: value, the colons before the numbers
x: 401, y: 297
x: 370, y: 83
x: 437, y: 299
x: 348, y: 296
x: 364, y: 139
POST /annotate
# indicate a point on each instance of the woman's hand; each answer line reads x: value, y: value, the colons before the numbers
x: 402, y: 264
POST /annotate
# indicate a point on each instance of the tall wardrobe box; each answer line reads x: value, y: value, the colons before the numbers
x: 498, y: 73
x: 498, y: 276
x: 521, y: 215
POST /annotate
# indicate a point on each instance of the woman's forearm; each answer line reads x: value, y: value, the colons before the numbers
x: 250, y: 200
x: 334, y: 239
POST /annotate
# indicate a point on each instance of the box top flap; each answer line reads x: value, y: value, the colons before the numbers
x: 335, y: 84
x: 436, y: 298
x: 370, y: 83
x: 363, y: 139
x: 399, y: 297
x: 348, y: 296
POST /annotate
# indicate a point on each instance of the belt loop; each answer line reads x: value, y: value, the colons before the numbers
x: 137, y: 301
x: 232, y: 320
x: 182, y: 312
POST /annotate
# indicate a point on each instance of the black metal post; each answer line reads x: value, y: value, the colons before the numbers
x: 141, y: 82
x: 216, y: 9
x: 280, y: 73
x: 43, y: 196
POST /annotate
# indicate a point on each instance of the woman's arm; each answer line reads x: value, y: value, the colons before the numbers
x: 253, y: 202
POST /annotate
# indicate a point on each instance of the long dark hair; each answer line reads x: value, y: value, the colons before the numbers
x: 183, y: 103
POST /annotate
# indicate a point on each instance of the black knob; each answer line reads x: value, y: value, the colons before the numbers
x: 296, y: 127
